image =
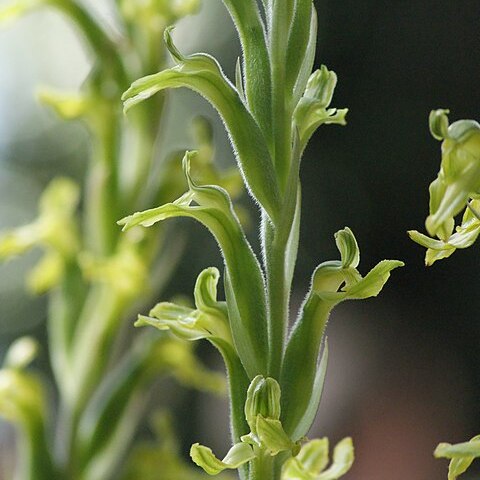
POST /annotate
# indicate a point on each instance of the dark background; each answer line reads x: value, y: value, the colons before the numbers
x: 404, y: 370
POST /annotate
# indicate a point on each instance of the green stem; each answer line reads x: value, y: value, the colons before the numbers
x: 263, y: 467
x: 277, y: 294
x: 65, y: 303
x: 36, y: 462
x: 102, y: 209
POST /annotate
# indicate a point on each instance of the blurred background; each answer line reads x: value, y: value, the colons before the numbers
x: 404, y: 370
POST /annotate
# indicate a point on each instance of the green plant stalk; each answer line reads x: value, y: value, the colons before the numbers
x: 103, y: 307
x: 300, y: 104
x: 101, y: 44
x: 262, y: 467
x: 102, y: 194
x: 277, y: 294
x: 276, y: 236
x: 36, y: 462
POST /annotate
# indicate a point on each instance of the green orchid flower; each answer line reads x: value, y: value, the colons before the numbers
x: 455, y: 189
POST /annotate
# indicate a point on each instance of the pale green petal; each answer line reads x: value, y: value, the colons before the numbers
x: 426, y: 241
x: 272, y: 436
x: 314, y: 455
x: 55, y: 230
x: 203, y: 456
x: 18, y: 241
x: 431, y: 256
x: 186, y: 323
x: 343, y: 457
x: 471, y: 448
x: 310, y: 462
x: 371, y: 285
x: 22, y: 397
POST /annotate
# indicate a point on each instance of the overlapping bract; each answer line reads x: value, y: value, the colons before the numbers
x: 270, y: 116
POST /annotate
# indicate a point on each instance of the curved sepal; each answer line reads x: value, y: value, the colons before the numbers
x: 310, y: 463
x: 312, y: 109
x: 332, y: 283
x: 202, y: 73
x: 237, y: 456
x: 246, y: 299
x: 461, y: 455
x: 438, y: 123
